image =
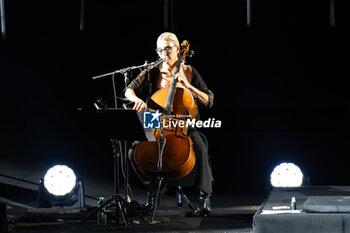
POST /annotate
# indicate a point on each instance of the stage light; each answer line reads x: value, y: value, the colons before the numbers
x: 286, y: 175
x: 60, y: 188
x: 60, y: 180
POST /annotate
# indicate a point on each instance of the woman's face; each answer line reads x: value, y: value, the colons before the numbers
x: 167, y: 49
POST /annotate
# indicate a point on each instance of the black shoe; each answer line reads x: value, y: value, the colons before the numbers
x: 151, y: 198
x: 204, y: 209
x: 205, y: 205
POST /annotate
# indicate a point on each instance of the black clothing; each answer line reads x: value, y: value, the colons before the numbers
x: 144, y: 86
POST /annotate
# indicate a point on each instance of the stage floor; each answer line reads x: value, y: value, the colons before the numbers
x: 231, y: 212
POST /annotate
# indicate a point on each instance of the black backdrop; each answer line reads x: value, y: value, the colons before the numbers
x: 280, y: 85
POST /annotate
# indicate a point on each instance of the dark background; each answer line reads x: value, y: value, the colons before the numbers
x: 280, y: 84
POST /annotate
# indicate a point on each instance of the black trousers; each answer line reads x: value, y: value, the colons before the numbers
x: 204, y: 178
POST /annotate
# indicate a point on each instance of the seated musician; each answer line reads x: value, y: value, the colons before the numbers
x: 188, y: 77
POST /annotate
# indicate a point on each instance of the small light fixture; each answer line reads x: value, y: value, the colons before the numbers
x: 286, y: 175
x: 61, y: 188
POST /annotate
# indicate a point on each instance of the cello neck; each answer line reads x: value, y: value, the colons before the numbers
x: 181, y: 58
x: 170, y: 98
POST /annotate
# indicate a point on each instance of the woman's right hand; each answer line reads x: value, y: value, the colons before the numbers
x: 139, y: 105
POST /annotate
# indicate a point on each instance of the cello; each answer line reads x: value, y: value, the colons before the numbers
x: 171, y: 156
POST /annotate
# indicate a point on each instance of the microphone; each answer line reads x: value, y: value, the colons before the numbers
x: 165, y: 58
x: 158, y: 62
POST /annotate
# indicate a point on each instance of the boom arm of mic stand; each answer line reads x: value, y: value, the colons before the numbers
x: 121, y: 71
x: 103, y: 75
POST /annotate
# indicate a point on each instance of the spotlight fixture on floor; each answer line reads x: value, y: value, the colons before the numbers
x: 286, y: 175
x: 61, y: 188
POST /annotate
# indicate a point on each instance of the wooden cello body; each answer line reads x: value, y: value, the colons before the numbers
x: 172, y: 155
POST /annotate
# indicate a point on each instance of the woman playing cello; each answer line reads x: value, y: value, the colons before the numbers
x: 147, y: 83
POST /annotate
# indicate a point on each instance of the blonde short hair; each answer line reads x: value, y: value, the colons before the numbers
x: 168, y: 36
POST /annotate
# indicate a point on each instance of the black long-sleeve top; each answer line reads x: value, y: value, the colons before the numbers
x: 145, y: 84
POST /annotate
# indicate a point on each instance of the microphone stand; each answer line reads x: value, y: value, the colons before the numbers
x: 121, y: 209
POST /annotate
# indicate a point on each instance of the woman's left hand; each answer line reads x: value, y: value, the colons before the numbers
x: 181, y: 78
